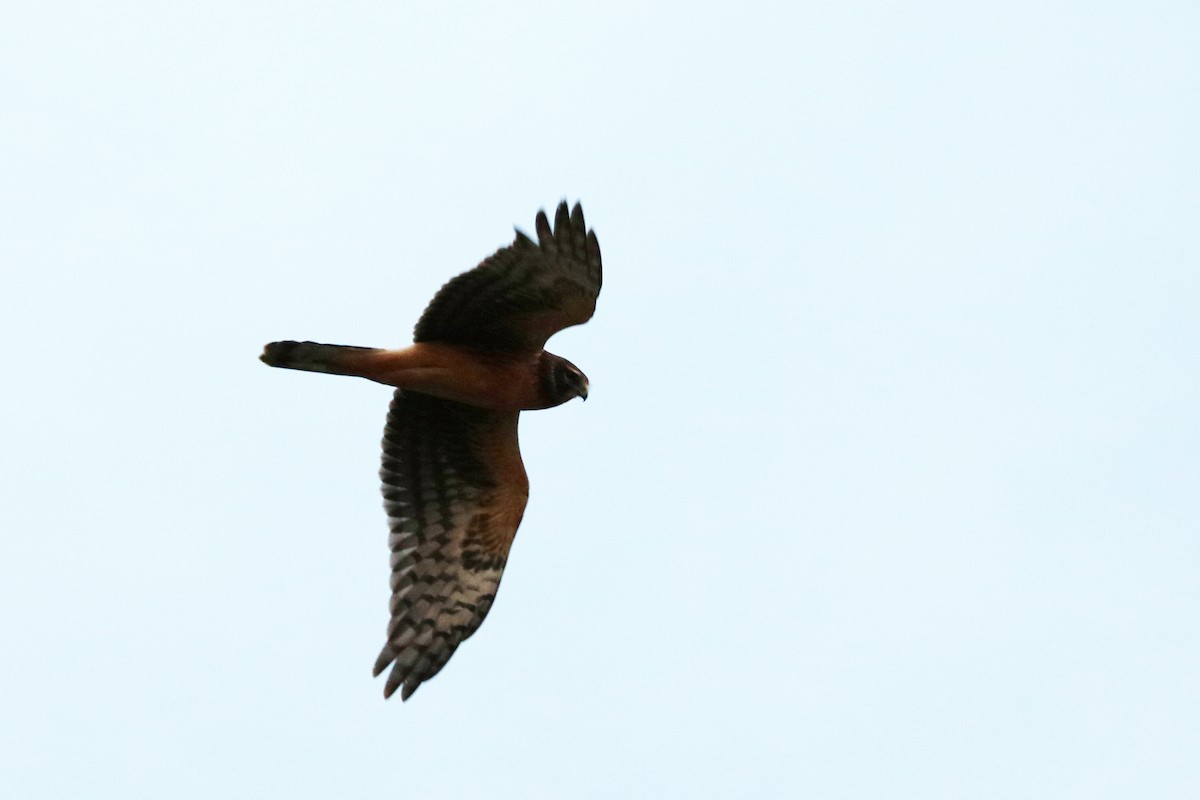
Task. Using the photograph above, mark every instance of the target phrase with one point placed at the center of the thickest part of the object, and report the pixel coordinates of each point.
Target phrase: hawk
(454, 486)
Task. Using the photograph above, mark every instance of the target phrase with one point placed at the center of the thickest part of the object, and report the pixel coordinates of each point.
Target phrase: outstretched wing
(524, 293)
(455, 489)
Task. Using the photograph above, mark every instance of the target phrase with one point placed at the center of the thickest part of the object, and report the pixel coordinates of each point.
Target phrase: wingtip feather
(544, 234)
(562, 222)
(386, 657)
(395, 678)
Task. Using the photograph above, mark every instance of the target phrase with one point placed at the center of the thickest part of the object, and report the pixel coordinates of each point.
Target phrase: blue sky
(886, 487)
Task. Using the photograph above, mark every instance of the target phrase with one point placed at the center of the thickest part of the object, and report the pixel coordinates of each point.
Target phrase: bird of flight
(454, 486)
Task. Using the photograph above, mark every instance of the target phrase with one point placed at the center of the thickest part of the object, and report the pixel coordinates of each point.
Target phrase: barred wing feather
(454, 489)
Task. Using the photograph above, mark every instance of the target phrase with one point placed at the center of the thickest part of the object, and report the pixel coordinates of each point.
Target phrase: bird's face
(563, 381)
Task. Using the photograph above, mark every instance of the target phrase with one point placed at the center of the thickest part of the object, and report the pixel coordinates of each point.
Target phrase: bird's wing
(524, 293)
(455, 489)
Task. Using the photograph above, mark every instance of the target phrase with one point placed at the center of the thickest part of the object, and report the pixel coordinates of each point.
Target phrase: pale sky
(887, 486)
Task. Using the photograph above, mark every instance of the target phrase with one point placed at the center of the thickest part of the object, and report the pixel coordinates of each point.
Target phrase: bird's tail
(336, 359)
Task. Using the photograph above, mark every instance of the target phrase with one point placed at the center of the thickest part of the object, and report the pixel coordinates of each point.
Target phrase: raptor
(454, 485)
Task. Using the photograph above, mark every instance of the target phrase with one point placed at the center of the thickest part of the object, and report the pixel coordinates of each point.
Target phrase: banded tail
(335, 359)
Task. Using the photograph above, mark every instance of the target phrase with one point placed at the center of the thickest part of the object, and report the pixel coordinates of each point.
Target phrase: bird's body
(500, 380)
(454, 484)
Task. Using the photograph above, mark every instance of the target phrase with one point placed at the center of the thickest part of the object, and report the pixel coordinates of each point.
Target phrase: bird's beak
(584, 390)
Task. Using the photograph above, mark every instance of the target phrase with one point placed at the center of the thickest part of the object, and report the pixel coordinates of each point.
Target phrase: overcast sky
(889, 481)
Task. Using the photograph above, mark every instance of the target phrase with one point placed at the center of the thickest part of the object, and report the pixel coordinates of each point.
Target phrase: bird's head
(561, 380)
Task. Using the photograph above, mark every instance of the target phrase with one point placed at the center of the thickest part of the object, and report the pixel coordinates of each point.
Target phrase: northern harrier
(454, 486)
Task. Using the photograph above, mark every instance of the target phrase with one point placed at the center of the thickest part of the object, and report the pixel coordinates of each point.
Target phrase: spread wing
(524, 293)
(454, 489)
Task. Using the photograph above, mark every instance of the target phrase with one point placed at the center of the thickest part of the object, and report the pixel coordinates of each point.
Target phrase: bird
(454, 485)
